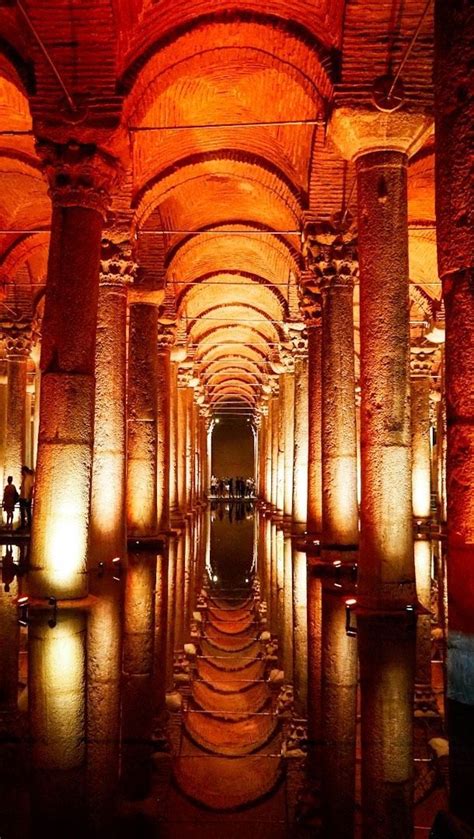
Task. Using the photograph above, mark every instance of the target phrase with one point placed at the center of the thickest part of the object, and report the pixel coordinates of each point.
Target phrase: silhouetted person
(10, 497)
(26, 496)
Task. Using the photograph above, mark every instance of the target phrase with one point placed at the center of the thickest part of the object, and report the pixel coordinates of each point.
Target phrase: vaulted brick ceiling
(217, 206)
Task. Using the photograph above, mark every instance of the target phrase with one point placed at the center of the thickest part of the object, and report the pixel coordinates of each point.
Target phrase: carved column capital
(299, 340)
(17, 338)
(330, 251)
(117, 266)
(79, 174)
(184, 377)
(421, 362)
(311, 304)
(165, 336)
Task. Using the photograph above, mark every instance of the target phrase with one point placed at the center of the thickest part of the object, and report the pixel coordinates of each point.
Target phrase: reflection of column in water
(170, 620)
(314, 675)
(423, 621)
(160, 640)
(57, 714)
(387, 660)
(137, 704)
(179, 594)
(12, 777)
(287, 636)
(280, 580)
(339, 695)
(300, 631)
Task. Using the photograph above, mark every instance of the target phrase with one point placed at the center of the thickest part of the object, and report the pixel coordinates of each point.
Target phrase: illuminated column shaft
(174, 503)
(300, 631)
(3, 417)
(300, 462)
(181, 418)
(80, 178)
(454, 32)
(163, 418)
(281, 437)
(170, 618)
(268, 454)
(17, 347)
(386, 567)
(160, 636)
(288, 411)
(386, 653)
(339, 451)
(138, 660)
(275, 424)
(107, 535)
(314, 675)
(339, 699)
(57, 715)
(287, 636)
(142, 425)
(420, 433)
(189, 448)
(314, 517)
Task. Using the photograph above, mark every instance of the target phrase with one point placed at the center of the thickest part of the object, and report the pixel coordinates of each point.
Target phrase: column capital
(311, 304)
(79, 174)
(330, 249)
(17, 337)
(165, 336)
(299, 340)
(421, 362)
(184, 377)
(356, 131)
(117, 266)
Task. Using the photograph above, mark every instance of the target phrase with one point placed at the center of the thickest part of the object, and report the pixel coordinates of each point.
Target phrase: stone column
(300, 631)
(163, 415)
(142, 415)
(379, 144)
(311, 305)
(181, 419)
(3, 416)
(269, 453)
(175, 513)
(275, 421)
(80, 178)
(387, 653)
(420, 366)
(288, 423)
(107, 531)
(331, 253)
(280, 452)
(300, 459)
(189, 446)
(454, 33)
(17, 346)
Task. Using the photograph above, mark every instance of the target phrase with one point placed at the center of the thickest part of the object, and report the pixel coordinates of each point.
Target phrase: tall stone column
(275, 422)
(269, 453)
(80, 178)
(281, 439)
(331, 253)
(175, 514)
(300, 459)
(454, 33)
(17, 347)
(181, 428)
(420, 366)
(300, 631)
(142, 415)
(165, 339)
(189, 447)
(311, 305)
(3, 411)
(387, 658)
(107, 531)
(288, 422)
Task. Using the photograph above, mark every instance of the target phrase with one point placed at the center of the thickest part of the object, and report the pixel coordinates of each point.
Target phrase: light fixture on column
(22, 604)
(351, 629)
(54, 612)
(117, 568)
(100, 569)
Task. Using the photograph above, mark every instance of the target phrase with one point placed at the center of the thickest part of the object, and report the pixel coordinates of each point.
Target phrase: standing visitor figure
(10, 497)
(26, 496)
